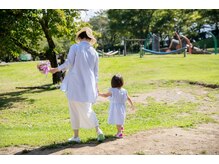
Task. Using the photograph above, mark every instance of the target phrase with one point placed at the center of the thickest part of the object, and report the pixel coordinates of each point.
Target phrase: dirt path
(201, 140)
(204, 139)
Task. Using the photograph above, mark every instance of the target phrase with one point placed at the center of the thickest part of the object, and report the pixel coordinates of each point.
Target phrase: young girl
(117, 109)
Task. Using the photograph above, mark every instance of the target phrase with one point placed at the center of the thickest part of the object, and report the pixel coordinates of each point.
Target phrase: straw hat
(89, 33)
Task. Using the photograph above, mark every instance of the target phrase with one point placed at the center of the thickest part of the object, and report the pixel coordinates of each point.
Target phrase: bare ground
(203, 139)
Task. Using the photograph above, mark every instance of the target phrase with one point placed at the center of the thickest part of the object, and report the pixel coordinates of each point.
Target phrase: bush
(206, 43)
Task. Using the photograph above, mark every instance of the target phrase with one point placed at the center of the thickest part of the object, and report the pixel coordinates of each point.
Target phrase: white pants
(82, 115)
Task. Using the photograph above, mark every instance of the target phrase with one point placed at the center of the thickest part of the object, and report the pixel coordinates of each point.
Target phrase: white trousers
(82, 115)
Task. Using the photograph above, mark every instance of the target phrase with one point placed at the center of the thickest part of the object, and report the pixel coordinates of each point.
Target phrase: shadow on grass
(53, 148)
(7, 99)
(164, 56)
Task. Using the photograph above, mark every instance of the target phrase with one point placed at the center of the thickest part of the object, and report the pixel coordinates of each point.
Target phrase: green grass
(39, 117)
(139, 72)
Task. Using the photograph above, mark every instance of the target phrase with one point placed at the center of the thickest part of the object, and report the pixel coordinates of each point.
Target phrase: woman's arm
(105, 94)
(68, 62)
(96, 68)
(53, 70)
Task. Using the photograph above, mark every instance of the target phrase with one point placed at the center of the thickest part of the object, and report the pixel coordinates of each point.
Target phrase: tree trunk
(50, 54)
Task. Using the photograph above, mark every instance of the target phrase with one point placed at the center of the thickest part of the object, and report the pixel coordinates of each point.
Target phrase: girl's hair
(83, 35)
(117, 81)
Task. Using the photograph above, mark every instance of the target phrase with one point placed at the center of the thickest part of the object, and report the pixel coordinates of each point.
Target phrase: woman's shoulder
(93, 50)
(74, 46)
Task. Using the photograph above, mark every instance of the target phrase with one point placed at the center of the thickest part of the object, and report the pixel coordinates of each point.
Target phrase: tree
(138, 23)
(100, 24)
(166, 22)
(211, 16)
(131, 23)
(24, 29)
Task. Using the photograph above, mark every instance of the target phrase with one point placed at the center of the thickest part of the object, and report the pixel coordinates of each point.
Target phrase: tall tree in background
(100, 24)
(167, 22)
(138, 23)
(24, 29)
(131, 23)
(211, 16)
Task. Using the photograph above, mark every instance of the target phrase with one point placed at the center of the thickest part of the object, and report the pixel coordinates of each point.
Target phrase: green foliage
(135, 23)
(25, 29)
(211, 16)
(100, 25)
(206, 43)
(130, 23)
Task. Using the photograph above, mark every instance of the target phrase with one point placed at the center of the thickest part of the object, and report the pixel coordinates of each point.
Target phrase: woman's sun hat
(89, 33)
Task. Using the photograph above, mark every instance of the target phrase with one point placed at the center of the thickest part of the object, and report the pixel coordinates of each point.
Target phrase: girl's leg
(119, 129)
(122, 128)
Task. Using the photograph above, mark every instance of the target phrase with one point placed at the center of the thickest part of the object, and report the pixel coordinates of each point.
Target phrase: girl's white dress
(117, 109)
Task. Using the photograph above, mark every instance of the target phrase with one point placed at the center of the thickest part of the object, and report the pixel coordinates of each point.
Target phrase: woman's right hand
(53, 70)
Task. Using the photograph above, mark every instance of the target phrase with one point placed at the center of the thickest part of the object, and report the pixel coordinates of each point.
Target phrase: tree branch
(25, 48)
(44, 24)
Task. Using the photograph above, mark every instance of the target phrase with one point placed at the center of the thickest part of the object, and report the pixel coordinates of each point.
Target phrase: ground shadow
(50, 149)
(7, 99)
(164, 56)
(3, 65)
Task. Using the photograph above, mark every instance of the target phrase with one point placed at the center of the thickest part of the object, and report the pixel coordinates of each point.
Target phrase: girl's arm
(105, 94)
(130, 101)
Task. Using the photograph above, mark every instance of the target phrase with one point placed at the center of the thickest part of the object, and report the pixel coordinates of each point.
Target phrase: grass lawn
(38, 117)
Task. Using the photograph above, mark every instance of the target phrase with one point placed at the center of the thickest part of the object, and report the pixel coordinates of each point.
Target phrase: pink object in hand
(43, 67)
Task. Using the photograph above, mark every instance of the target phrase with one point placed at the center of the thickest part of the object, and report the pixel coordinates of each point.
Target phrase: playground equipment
(155, 42)
(215, 42)
(175, 46)
(178, 44)
(110, 53)
(186, 43)
(197, 50)
(133, 40)
(202, 43)
(163, 53)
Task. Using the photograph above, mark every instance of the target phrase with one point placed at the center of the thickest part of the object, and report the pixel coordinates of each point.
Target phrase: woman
(80, 84)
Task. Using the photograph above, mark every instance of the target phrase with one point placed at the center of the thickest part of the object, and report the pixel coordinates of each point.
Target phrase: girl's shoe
(122, 128)
(73, 139)
(119, 135)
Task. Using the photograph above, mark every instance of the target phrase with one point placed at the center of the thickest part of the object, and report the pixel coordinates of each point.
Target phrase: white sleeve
(96, 69)
(70, 59)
